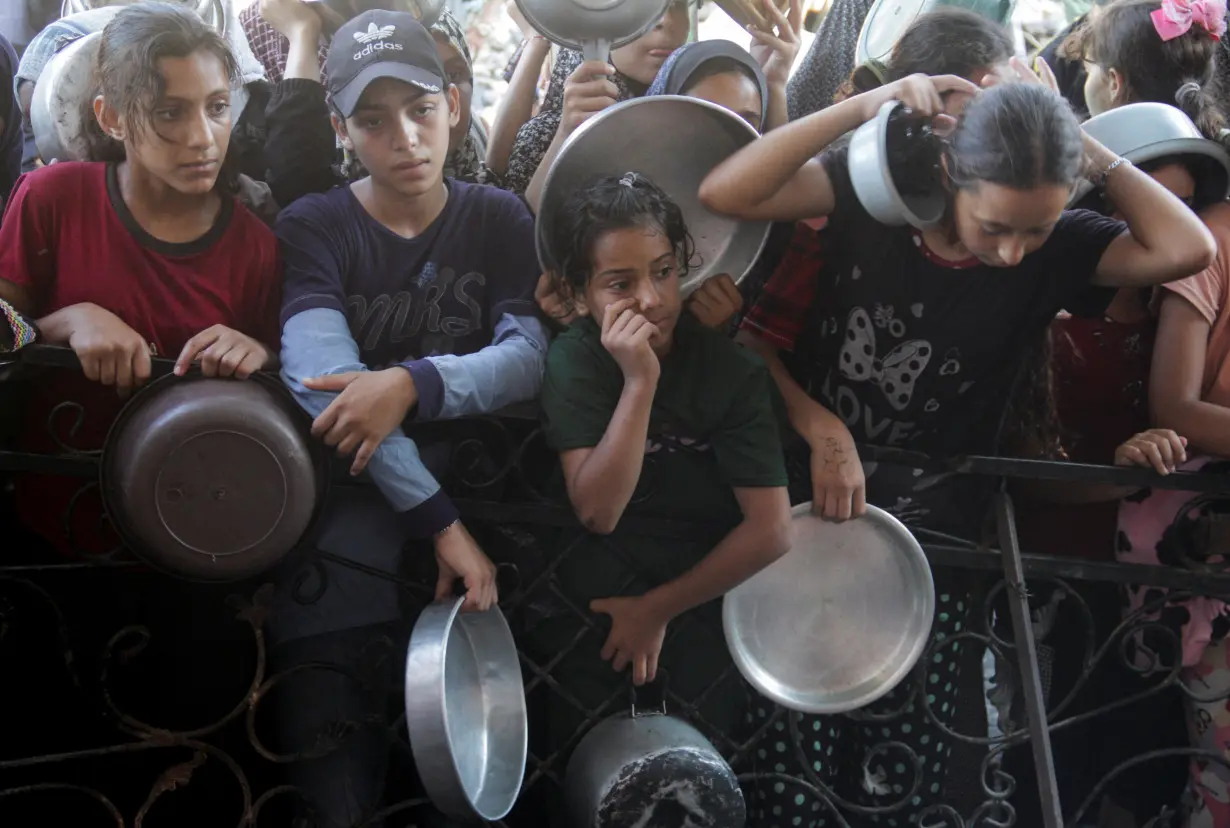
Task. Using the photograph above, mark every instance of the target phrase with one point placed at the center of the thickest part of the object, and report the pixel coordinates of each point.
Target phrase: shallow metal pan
(465, 711)
(838, 621)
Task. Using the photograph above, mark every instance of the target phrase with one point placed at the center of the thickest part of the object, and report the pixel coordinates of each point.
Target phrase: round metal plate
(628, 137)
(465, 711)
(838, 621)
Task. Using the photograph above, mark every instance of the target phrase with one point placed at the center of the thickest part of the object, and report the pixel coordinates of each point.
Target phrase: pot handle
(597, 50)
(656, 692)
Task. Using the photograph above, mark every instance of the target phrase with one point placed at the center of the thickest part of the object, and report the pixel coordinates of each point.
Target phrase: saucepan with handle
(593, 27)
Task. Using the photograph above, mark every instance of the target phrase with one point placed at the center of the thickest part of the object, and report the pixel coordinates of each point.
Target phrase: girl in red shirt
(144, 252)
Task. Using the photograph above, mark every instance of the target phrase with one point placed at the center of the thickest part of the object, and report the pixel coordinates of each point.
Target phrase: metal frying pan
(212, 12)
(593, 27)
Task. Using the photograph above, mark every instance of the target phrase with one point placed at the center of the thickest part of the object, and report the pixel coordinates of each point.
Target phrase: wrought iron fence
(113, 713)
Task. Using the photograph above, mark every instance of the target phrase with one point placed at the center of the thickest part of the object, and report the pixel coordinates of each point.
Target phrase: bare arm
(517, 105)
(533, 193)
(777, 177)
(804, 412)
(839, 484)
(760, 539)
(1175, 384)
(1165, 239)
(602, 480)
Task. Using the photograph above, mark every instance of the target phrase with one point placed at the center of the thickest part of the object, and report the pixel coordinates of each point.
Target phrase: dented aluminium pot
(647, 768)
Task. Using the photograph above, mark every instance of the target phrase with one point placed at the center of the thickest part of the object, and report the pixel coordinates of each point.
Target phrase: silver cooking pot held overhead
(212, 12)
(593, 27)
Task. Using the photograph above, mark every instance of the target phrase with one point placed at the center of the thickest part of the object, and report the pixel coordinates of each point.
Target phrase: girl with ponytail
(1140, 51)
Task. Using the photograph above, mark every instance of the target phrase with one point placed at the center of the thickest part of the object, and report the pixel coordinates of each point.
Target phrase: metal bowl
(629, 137)
(465, 711)
(872, 177)
(593, 26)
(1143, 132)
(838, 621)
(212, 479)
(58, 105)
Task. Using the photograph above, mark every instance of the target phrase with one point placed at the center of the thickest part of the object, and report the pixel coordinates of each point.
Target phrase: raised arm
(588, 91)
(517, 105)
(1165, 239)
(778, 177)
(301, 148)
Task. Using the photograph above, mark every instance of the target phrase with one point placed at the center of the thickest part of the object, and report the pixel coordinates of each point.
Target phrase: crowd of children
(325, 205)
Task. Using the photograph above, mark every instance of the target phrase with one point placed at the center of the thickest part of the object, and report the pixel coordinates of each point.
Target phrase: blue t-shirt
(439, 293)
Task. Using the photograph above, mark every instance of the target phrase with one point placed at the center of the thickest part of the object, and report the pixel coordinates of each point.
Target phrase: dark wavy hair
(948, 41)
(1179, 72)
(126, 71)
(612, 203)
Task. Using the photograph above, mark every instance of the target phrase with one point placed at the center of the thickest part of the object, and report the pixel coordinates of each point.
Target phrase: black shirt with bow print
(919, 353)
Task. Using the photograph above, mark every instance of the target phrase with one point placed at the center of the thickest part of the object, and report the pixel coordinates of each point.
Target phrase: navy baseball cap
(381, 44)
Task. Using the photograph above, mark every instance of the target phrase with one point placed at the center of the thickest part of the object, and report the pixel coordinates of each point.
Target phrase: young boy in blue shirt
(408, 297)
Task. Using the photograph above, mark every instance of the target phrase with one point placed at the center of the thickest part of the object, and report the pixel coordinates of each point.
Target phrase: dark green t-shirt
(713, 427)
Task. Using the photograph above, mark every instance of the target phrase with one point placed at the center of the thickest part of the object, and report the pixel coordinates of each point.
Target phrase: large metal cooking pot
(648, 768)
(885, 153)
(465, 711)
(593, 27)
(629, 137)
(212, 12)
(839, 620)
(57, 109)
(888, 20)
(1143, 132)
(212, 479)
